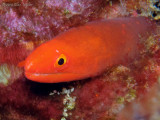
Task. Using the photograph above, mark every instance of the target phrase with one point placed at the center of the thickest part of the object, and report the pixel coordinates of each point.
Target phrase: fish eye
(61, 60)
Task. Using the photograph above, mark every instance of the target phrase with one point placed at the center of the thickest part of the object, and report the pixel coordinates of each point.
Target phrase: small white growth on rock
(68, 101)
(65, 114)
(54, 92)
(63, 118)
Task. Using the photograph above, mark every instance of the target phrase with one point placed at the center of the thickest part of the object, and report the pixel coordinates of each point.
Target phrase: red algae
(25, 103)
(12, 54)
(32, 20)
(30, 23)
(145, 108)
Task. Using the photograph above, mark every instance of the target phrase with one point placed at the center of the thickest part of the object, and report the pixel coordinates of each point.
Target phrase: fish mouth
(53, 77)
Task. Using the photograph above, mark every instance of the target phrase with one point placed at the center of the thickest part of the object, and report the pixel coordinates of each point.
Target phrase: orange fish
(87, 51)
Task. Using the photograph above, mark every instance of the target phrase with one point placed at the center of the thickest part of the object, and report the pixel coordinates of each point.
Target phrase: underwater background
(121, 93)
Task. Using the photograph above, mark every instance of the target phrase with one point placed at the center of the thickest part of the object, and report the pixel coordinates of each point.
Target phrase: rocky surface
(25, 24)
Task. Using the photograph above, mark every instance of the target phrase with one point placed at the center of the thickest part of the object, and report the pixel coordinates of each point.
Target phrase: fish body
(88, 50)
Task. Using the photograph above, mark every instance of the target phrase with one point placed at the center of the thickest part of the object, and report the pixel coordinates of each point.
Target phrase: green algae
(66, 12)
(5, 74)
(9, 73)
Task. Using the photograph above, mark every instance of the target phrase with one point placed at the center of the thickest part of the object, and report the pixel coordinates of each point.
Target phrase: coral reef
(24, 24)
(146, 108)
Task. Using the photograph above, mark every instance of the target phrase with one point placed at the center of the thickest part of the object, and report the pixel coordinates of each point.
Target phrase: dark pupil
(61, 61)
